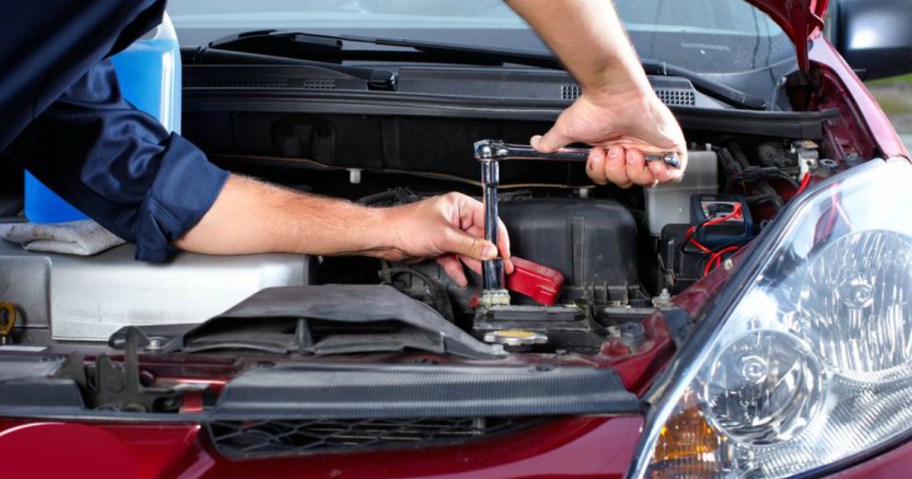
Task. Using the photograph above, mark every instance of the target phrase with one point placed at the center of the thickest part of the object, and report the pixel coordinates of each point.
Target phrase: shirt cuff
(184, 189)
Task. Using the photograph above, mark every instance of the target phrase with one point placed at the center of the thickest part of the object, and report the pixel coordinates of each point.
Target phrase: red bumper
(588, 447)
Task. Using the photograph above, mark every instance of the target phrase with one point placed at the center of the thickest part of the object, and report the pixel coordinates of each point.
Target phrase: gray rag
(80, 238)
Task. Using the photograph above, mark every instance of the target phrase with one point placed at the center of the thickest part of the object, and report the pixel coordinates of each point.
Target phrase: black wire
(788, 178)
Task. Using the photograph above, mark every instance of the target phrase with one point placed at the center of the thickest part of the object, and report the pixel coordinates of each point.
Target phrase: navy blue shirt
(60, 100)
(119, 166)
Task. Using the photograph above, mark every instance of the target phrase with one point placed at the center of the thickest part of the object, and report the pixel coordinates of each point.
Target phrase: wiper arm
(475, 54)
(268, 47)
(330, 48)
(710, 87)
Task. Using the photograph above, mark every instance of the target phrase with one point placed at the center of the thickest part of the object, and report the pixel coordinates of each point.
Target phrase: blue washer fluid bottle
(149, 73)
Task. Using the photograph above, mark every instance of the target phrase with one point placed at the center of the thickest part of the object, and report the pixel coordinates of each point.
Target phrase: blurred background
(895, 96)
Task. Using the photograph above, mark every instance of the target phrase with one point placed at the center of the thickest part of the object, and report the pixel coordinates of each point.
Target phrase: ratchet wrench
(490, 153)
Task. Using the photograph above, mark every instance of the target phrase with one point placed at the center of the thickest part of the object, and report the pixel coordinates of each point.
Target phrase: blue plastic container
(149, 73)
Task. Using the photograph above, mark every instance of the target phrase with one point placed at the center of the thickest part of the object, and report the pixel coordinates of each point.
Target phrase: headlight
(810, 364)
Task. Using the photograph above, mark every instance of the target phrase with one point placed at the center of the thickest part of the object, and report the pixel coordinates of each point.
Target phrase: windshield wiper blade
(331, 48)
(270, 47)
(708, 86)
(476, 54)
(288, 44)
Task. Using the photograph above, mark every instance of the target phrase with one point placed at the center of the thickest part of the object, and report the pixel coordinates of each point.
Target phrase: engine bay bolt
(114, 385)
(827, 168)
(728, 264)
(633, 332)
(662, 299)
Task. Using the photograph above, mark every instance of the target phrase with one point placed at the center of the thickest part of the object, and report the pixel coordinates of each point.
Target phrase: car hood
(802, 21)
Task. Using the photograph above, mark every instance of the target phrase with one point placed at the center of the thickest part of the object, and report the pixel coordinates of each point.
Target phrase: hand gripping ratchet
(490, 153)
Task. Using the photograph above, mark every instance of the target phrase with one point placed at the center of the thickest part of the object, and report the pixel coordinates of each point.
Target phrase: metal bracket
(111, 386)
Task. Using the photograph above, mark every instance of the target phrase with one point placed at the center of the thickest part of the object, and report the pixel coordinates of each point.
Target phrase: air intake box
(592, 242)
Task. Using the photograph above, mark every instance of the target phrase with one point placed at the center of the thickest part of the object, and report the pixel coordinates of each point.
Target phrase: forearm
(589, 38)
(253, 217)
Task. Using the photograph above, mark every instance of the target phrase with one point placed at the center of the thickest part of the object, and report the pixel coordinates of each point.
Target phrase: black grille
(244, 84)
(676, 97)
(306, 84)
(672, 97)
(318, 84)
(570, 92)
(271, 438)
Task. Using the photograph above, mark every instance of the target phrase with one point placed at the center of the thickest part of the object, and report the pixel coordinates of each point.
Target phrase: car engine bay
(598, 266)
(597, 260)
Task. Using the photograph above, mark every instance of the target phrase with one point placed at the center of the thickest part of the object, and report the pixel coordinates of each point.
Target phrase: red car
(752, 321)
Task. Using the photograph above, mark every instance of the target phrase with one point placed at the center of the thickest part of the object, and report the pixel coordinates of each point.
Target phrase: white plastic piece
(662, 299)
(669, 203)
(354, 176)
(89, 298)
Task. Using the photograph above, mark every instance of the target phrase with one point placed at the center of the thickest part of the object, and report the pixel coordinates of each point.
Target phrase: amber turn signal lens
(686, 436)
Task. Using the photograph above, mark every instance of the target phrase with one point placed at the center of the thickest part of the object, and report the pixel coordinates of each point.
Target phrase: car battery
(717, 222)
(720, 220)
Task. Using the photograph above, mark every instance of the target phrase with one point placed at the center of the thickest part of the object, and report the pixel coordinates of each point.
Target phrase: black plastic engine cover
(592, 242)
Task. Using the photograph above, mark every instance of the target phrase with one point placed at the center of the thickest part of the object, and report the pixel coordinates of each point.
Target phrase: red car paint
(801, 20)
(862, 124)
(891, 465)
(575, 447)
(582, 447)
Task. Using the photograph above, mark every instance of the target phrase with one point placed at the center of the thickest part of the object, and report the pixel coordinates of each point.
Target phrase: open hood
(802, 21)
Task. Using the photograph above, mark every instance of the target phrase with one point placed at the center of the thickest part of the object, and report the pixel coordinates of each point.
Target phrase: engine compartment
(623, 253)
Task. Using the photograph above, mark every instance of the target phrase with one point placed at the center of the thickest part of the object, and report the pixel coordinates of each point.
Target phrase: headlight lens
(764, 388)
(854, 303)
(812, 364)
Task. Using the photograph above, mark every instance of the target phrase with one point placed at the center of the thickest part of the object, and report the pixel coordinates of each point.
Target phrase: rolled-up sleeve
(119, 166)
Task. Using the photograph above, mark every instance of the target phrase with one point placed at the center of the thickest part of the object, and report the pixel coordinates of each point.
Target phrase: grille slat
(669, 96)
(570, 92)
(306, 84)
(676, 97)
(269, 438)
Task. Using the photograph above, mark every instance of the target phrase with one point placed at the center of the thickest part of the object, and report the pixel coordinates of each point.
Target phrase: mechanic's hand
(621, 128)
(449, 228)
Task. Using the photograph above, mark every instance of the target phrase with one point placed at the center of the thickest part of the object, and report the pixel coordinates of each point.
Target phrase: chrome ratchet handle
(489, 154)
(497, 150)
